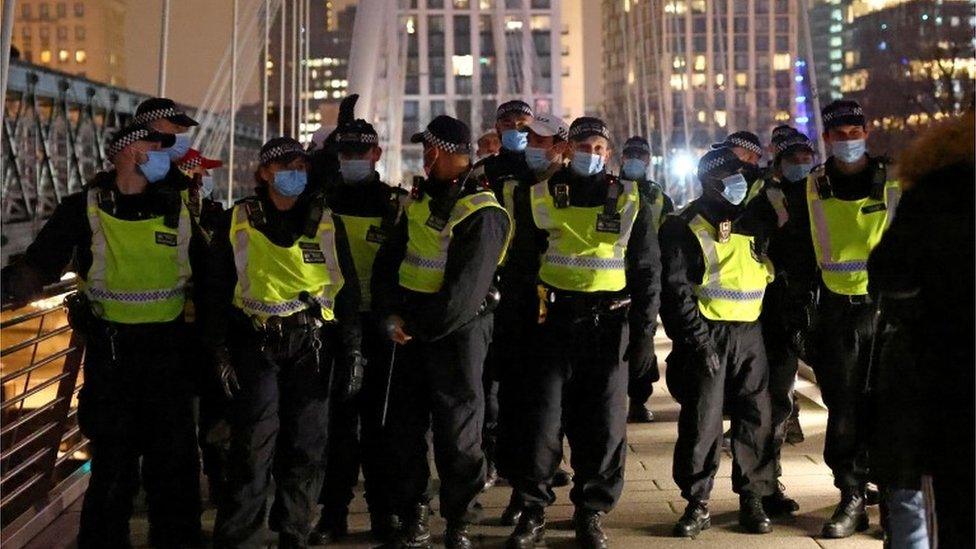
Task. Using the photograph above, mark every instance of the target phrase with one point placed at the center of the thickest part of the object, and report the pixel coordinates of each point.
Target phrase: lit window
(81, 56)
(463, 65)
(701, 116)
(63, 55)
(698, 80)
(782, 62)
(721, 118)
(699, 62)
(741, 79)
(835, 42)
(46, 56)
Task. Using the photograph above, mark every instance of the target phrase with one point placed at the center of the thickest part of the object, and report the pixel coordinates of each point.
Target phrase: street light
(682, 164)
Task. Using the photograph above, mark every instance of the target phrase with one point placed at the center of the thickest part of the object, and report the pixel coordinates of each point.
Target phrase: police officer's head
(845, 130)
(447, 148)
(137, 150)
(163, 115)
(511, 117)
(282, 169)
(721, 174)
(635, 158)
(547, 135)
(794, 155)
(359, 150)
(590, 138)
(745, 145)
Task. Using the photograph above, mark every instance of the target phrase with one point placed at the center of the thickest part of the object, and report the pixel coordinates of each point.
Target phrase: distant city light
(683, 164)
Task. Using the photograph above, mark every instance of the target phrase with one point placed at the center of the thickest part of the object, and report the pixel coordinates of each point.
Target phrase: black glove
(800, 318)
(640, 352)
(226, 374)
(706, 359)
(351, 380)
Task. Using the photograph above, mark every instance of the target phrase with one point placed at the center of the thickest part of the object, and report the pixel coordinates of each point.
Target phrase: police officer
(517, 316)
(781, 205)
(597, 251)
(851, 201)
(432, 278)
(204, 209)
(713, 284)
(635, 160)
(368, 208)
(281, 315)
(749, 150)
(128, 236)
(511, 118)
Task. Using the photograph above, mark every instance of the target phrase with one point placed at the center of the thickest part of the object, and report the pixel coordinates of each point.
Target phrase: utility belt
(580, 307)
(828, 296)
(275, 333)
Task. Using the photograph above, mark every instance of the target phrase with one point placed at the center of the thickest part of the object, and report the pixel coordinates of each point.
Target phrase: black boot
(694, 520)
(332, 527)
(638, 413)
(530, 530)
(794, 433)
(752, 518)
(511, 514)
(415, 530)
(562, 478)
(491, 477)
(456, 536)
(778, 503)
(383, 526)
(589, 531)
(849, 517)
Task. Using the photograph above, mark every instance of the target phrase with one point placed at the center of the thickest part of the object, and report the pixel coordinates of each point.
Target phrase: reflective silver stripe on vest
(539, 209)
(892, 196)
(823, 235)
(240, 251)
(96, 273)
(778, 201)
(148, 296)
(712, 288)
(282, 309)
(592, 263)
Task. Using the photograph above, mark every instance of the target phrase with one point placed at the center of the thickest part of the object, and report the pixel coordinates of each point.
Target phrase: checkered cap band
(794, 140)
(126, 139)
(275, 153)
(842, 112)
(190, 164)
(637, 144)
(715, 163)
(513, 107)
(439, 143)
(358, 138)
(735, 141)
(149, 116)
(587, 128)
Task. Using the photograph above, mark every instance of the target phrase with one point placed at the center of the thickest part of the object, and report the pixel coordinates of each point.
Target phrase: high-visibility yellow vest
(583, 255)
(776, 198)
(271, 279)
(656, 204)
(139, 269)
(735, 278)
(365, 234)
(422, 269)
(844, 233)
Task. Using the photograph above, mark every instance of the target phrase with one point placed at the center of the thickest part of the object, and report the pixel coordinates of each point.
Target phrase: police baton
(389, 381)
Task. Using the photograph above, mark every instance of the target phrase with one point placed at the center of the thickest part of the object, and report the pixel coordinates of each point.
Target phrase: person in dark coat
(927, 256)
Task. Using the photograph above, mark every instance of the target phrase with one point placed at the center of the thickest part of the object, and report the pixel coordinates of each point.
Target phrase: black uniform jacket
(643, 256)
(282, 228)
(472, 257)
(66, 237)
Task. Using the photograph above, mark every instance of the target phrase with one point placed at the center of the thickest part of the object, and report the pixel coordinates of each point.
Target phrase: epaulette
(254, 210)
(822, 181)
(316, 209)
(417, 188)
(614, 188)
(879, 177)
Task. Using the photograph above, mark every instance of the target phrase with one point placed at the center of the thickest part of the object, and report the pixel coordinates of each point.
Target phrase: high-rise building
(685, 73)
(84, 38)
(829, 31)
(456, 57)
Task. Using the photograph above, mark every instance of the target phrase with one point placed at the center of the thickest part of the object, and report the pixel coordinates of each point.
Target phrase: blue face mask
(536, 159)
(206, 185)
(634, 169)
(156, 166)
(290, 183)
(795, 172)
(355, 170)
(735, 188)
(586, 164)
(514, 140)
(179, 148)
(848, 152)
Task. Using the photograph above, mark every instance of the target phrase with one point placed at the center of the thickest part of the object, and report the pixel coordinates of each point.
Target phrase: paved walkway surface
(651, 502)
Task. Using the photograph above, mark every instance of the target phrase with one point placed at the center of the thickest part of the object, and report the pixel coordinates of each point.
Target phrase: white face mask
(206, 185)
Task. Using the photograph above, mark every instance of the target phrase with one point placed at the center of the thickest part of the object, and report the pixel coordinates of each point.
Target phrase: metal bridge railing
(43, 455)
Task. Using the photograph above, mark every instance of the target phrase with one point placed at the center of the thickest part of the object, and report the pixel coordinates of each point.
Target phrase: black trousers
(843, 347)
(640, 381)
(139, 406)
(578, 385)
(783, 365)
(356, 436)
(279, 424)
(438, 385)
(740, 387)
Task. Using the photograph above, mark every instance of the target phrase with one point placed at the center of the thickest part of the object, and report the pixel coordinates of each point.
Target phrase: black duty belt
(861, 299)
(580, 303)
